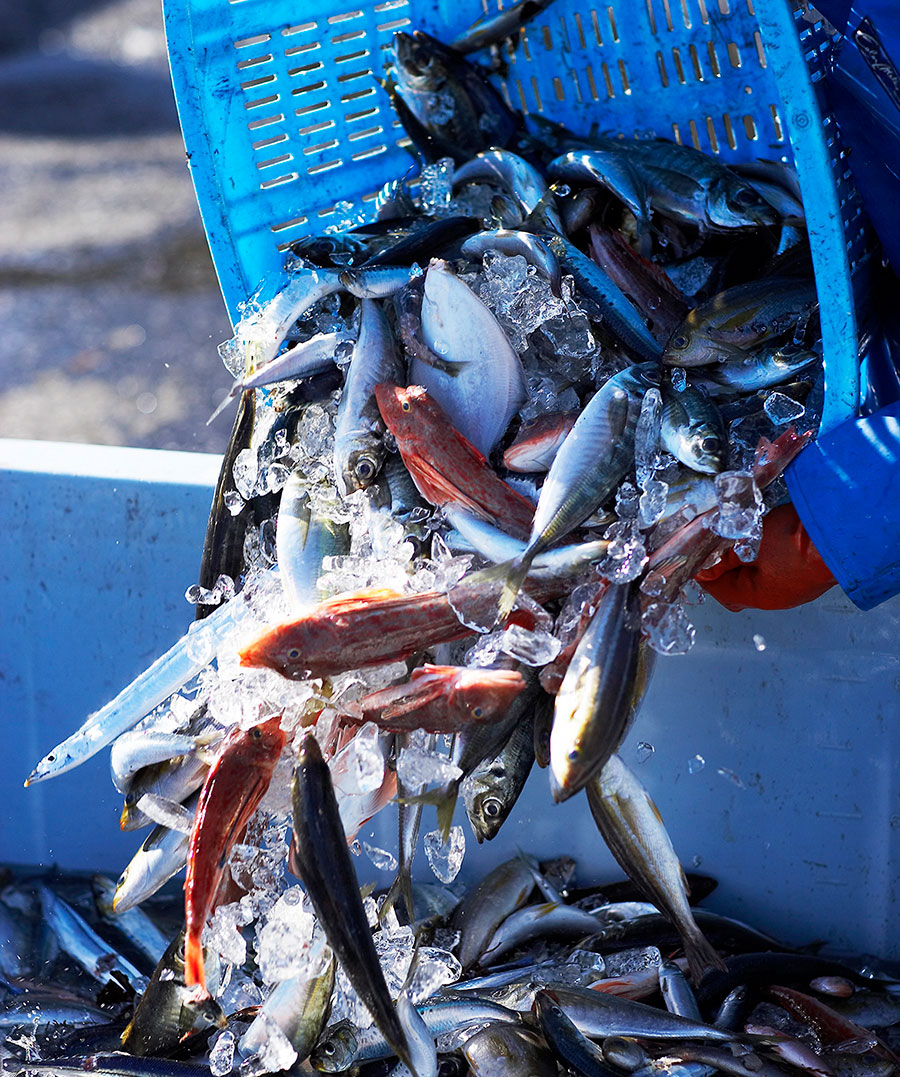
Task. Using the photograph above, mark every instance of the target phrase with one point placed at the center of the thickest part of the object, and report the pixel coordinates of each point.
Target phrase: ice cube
(759, 642)
(534, 648)
(626, 555)
(275, 1053)
(627, 501)
(418, 767)
(630, 961)
(695, 764)
(234, 502)
(679, 379)
(222, 932)
(381, 858)
(165, 812)
(740, 505)
(646, 435)
(435, 968)
(652, 502)
(287, 942)
(244, 471)
(445, 858)
(436, 186)
(668, 629)
(570, 335)
(221, 1054)
(365, 761)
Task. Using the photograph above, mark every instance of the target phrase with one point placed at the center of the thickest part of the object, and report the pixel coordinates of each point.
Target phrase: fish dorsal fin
(353, 601)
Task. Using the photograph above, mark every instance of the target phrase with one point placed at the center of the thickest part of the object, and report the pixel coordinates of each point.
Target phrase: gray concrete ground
(109, 307)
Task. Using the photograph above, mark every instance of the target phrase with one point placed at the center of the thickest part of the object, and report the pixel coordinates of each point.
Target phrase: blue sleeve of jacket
(846, 489)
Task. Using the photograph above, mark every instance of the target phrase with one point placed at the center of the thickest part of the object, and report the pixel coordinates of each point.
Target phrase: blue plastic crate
(283, 119)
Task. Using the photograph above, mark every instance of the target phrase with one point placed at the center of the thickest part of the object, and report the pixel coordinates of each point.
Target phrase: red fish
(683, 554)
(235, 785)
(374, 626)
(447, 468)
(440, 699)
(538, 441)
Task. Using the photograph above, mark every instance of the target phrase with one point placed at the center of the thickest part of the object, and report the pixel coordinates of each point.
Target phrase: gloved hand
(787, 572)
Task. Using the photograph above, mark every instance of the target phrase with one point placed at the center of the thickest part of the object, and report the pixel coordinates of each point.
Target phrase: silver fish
(134, 923)
(487, 384)
(298, 1007)
(523, 181)
(162, 854)
(692, 429)
(636, 836)
(484, 908)
(508, 1051)
(359, 429)
(492, 789)
(303, 538)
(593, 459)
(511, 242)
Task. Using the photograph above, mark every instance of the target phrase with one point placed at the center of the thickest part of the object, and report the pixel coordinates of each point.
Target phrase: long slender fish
(326, 870)
(159, 681)
(482, 910)
(235, 785)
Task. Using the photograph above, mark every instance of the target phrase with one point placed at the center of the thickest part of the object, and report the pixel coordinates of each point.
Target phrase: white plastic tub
(796, 808)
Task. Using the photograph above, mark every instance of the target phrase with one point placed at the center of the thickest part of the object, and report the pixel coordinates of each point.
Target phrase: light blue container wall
(806, 845)
(283, 119)
(98, 547)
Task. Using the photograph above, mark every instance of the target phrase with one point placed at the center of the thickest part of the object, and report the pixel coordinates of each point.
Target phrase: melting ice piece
(695, 764)
(668, 629)
(446, 859)
(535, 648)
(275, 1054)
(416, 766)
(221, 1055)
(626, 961)
(435, 969)
(646, 435)
(381, 858)
(626, 555)
(436, 186)
(740, 505)
(365, 762)
(167, 813)
(286, 944)
(627, 501)
(652, 502)
(759, 642)
(782, 409)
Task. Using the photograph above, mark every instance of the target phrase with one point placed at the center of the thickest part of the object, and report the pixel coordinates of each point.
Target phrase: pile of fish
(523, 974)
(483, 444)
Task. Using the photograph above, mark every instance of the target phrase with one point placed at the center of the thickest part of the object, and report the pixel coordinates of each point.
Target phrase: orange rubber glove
(787, 572)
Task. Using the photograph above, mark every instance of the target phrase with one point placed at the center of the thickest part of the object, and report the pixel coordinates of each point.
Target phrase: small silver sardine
(693, 430)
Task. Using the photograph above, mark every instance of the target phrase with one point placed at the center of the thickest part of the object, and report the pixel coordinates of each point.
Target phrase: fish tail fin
(701, 955)
(446, 806)
(400, 887)
(518, 570)
(194, 972)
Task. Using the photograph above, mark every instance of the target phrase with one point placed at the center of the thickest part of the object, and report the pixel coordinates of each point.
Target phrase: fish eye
(477, 712)
(364, 468)
(492, 808)
(746, 196)
(293, 654)
(328, 1048)
(405, 405)
(710, 444)
(256, 733)
(681, 341)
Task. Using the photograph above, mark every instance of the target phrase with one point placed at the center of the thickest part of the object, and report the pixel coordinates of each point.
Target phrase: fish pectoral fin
(618, 414)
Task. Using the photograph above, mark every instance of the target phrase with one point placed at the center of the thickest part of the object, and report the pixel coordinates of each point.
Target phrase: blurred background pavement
(110, 312)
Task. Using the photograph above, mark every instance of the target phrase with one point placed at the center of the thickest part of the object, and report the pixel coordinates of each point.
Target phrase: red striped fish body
(538, 441)
(446, 468)
(234, 787)
(440, 699)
